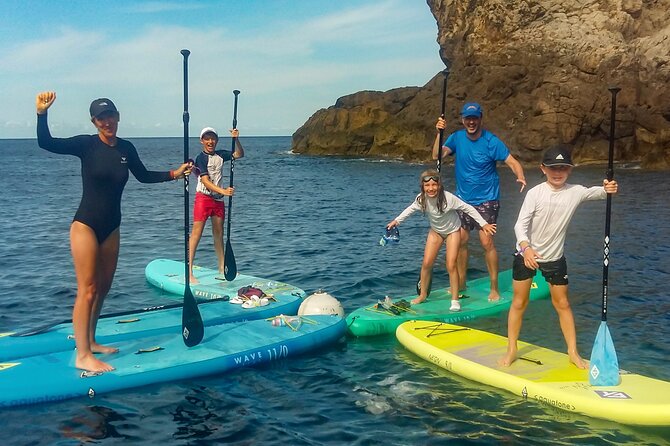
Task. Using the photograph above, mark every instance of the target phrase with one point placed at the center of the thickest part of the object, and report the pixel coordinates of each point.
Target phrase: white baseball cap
(208, 130)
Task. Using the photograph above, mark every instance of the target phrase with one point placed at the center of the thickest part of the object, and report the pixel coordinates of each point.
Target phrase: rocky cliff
(540, 69)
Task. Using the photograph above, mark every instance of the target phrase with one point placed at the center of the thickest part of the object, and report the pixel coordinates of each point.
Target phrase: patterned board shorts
(488, 210)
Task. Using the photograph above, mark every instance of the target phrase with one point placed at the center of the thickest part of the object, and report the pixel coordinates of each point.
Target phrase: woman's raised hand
(44, 101)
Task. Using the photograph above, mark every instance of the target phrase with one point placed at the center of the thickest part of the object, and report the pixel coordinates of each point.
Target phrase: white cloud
(286, 69)
(155, 7)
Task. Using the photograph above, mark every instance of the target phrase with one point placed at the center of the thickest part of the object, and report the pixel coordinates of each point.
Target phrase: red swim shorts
(205, 206)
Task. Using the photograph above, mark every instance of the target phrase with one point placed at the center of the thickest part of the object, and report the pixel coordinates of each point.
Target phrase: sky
(289, 58)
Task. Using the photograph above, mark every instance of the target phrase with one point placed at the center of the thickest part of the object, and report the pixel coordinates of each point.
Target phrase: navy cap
(100, 106)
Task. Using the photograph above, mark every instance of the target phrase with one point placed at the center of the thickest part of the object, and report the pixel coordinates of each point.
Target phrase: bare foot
(577, 360)
(92, 364)
(192, 280)
(494, 296)
(418, 300)
(98, 348)
(509, 357)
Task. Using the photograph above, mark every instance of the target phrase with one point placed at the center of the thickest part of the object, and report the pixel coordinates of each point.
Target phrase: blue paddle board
(148, 322)
(149, 359)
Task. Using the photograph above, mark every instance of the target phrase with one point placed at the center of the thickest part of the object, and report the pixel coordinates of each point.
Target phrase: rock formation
(540, 69)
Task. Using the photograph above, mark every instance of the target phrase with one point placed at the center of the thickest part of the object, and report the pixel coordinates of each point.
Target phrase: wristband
(172, 175)
(523, 250)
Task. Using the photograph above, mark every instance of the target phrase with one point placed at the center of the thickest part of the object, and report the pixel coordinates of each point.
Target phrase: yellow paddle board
(539, 374)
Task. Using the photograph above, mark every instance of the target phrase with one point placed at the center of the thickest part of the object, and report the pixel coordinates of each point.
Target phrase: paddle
(604, 367)
(46, 327)
(192, 329)
(445, 72)
(229, 265)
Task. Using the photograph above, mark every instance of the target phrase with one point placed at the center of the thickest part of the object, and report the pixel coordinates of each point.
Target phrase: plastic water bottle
(282, 321)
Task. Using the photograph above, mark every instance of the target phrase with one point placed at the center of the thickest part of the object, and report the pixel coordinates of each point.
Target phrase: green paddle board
(373, 319)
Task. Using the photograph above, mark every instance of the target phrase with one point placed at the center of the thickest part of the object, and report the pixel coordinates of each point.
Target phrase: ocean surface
(315, 223)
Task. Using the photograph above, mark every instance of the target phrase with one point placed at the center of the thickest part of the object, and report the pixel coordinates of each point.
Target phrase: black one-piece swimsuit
(104, 173)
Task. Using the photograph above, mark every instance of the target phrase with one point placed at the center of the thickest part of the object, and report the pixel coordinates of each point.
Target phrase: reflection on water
(95, 423)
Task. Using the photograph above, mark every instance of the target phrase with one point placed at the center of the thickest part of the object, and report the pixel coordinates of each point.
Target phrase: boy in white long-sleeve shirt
(440, 207)
(540, 235)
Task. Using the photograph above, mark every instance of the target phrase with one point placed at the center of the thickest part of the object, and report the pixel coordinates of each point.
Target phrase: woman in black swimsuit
(94, 233)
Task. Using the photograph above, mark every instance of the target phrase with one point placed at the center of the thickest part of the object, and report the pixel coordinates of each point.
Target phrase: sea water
(315, 222)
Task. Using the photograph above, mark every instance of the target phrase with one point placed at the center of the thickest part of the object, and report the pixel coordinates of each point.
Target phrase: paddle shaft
(232, 160)
(445, 72)
(440, 139)
(186, 119)
(192, 329)
(230, 266)
(46, 327)
(608, 209)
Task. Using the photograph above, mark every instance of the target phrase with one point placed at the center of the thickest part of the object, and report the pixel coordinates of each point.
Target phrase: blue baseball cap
(471, 109)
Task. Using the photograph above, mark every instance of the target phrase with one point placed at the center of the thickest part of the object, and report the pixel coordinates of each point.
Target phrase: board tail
(604, 367)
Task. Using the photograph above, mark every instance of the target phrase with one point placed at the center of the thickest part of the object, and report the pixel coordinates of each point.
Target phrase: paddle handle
(608, 210)
(445, 72)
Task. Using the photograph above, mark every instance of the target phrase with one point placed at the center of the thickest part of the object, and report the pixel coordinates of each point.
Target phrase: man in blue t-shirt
(477, 152)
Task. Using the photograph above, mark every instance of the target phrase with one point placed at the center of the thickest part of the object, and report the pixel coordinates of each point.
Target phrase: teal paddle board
(373, 319)
(59, 336)
(143, 360)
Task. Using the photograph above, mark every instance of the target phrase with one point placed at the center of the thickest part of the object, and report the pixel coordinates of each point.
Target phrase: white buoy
(320, 302)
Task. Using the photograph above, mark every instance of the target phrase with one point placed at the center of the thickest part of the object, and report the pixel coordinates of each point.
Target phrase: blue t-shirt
(477, 179)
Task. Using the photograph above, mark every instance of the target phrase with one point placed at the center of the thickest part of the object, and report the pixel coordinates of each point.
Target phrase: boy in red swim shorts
(210, 192)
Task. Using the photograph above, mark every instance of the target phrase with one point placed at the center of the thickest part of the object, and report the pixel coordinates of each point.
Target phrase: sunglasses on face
(427, 178)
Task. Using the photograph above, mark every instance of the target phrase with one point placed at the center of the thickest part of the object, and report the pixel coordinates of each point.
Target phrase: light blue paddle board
(168, 275)
(144, 360)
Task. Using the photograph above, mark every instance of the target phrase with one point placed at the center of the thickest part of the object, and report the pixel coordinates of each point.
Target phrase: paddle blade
(229, 266)
(192, 329)
(604, 367)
